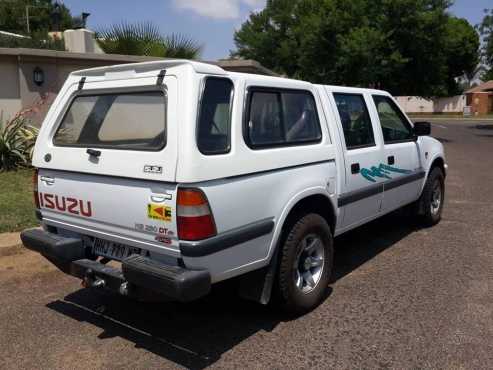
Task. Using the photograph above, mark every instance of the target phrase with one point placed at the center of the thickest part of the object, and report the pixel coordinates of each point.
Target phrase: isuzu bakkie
(185, 175)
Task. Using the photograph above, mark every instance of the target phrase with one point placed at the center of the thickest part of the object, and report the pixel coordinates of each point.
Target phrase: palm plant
(17, 140)
(146, 39)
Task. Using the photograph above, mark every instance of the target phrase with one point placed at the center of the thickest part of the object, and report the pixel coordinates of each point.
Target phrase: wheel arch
(257, 285)
(439, 162)
(315, 200)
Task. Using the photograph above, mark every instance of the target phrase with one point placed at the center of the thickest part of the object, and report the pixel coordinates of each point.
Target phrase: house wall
(480, 102)
(56, 72)
(18, 92)
(10, 102)
(416, 104)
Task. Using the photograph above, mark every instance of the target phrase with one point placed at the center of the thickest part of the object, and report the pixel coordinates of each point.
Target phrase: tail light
(194, 216)
(35, 189)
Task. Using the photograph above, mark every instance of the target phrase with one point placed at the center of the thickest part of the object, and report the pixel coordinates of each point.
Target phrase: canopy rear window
(132, 121)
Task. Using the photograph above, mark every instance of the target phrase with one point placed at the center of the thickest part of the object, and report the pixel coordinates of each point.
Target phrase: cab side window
(281, 118)
(265, 121)
(355, 120)
(214, 125)
(395, 127)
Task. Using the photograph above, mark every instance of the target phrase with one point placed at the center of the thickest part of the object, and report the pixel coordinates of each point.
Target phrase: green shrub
(17, 140)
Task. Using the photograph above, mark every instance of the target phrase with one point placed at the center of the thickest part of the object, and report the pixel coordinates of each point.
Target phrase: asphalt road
(402, 298)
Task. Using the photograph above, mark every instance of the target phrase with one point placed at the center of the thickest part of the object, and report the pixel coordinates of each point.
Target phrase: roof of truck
(355, 90)
(207, 68)
(198, 67)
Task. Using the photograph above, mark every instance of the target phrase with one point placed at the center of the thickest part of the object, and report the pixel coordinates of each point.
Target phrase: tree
(146, 39)
(409, 47)
(486, 30)
(41, 20)
(462, 50)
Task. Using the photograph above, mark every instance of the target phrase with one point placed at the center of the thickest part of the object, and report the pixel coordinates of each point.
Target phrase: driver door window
(395, 127)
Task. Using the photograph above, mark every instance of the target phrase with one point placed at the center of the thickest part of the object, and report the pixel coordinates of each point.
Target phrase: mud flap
(257, 285)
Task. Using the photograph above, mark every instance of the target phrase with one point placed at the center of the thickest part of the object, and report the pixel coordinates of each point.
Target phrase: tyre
(305, 264)
(433, 197)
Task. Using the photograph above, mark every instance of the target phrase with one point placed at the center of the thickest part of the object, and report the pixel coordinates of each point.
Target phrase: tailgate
(130, 211)
(131, 124)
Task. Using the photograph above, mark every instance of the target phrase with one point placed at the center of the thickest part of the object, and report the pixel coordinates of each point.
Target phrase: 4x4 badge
(153, 169)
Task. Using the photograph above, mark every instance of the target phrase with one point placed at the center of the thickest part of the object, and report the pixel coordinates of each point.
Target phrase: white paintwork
(242, 186)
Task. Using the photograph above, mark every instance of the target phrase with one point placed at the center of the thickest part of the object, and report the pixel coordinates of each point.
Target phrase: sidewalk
(452, 118)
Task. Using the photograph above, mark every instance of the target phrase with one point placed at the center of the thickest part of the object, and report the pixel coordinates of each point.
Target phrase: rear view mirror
(422, 128)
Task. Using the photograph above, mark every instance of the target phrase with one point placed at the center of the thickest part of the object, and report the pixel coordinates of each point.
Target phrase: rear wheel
(305, 264)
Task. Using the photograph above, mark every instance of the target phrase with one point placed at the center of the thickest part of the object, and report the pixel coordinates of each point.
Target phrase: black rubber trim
(392, 184)
(227, 239)
(372, 190)
(82, 81)
(357, 195)
(160, 77)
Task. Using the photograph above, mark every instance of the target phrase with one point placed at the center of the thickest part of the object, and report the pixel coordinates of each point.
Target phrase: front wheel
(305, 264)
(433, 198)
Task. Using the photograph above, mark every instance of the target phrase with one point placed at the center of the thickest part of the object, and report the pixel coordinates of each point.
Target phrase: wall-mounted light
(38, 76)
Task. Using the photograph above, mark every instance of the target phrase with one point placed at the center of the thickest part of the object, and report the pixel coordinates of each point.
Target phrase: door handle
(47, 180)
(355, 168)
(160, 198)
(391, 160)
(93, 153)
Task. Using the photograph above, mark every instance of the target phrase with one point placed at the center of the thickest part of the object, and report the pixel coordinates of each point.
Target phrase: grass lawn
(16, 201)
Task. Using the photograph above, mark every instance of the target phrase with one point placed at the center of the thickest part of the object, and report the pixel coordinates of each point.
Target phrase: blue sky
(210, 22)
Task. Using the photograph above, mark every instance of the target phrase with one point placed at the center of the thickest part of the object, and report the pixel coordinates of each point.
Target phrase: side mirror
(422, 128)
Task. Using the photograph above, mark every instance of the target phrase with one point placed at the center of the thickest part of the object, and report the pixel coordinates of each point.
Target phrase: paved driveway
(402, 298)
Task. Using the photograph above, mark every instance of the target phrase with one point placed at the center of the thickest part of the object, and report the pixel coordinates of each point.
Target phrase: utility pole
(27, 15)
(27, 20)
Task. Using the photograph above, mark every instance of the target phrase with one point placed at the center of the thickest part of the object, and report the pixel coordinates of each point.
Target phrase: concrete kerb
(10, 240)
(10, 243)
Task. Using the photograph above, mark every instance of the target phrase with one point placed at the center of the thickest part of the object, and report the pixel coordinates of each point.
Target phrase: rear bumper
(139, 276)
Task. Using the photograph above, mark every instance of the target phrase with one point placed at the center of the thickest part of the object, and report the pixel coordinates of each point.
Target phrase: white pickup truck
(188, 175)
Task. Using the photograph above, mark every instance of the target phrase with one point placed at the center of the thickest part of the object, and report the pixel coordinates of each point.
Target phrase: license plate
(113, 250)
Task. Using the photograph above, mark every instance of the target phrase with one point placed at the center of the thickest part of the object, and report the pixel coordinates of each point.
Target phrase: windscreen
(133, 121)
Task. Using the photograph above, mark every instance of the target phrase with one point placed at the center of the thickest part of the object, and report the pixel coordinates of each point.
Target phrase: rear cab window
(214, 121)
(281, 117)
(126, 120)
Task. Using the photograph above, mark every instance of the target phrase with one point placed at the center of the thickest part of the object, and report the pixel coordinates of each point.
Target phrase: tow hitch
(139, 277)
(92, 281)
